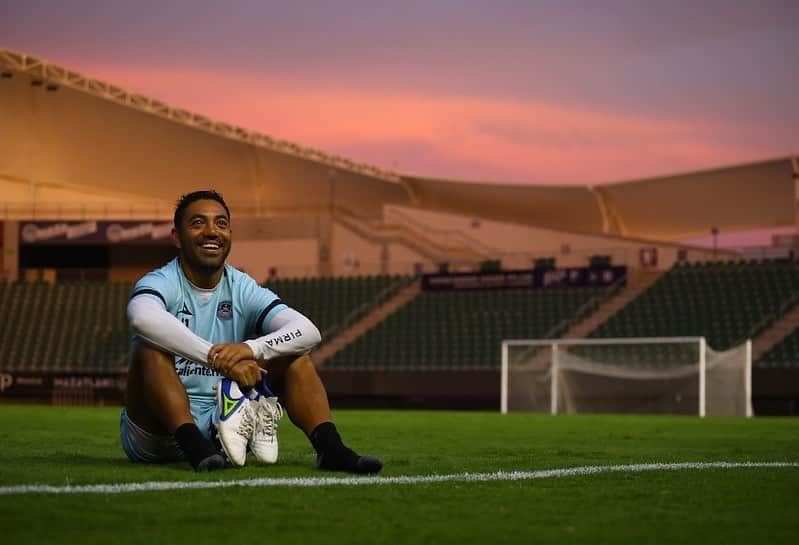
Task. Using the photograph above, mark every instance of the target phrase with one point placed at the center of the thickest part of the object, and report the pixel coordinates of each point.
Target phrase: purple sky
(529, 92)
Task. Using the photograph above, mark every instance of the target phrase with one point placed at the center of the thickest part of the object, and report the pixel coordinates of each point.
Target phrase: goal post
(670, 375)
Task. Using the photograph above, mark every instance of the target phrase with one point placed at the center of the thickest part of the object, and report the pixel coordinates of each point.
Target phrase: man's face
(203, 236)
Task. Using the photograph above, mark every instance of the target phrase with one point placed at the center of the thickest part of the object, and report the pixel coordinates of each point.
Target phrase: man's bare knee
(302, 362)
(144, 355)
(278, 367)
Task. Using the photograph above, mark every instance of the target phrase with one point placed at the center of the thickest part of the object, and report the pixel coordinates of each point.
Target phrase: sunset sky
(525, 91)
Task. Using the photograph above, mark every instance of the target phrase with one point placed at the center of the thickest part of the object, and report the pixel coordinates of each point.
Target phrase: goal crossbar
(620, 340)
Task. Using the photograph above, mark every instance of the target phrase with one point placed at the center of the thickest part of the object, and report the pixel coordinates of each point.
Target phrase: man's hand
(246, 372)
(223, 357)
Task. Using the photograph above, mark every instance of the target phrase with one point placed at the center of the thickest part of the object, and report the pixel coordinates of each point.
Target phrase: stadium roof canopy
(739, 198)
(74, 146)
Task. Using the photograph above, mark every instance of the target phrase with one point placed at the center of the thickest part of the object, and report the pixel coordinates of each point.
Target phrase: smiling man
(205, 335)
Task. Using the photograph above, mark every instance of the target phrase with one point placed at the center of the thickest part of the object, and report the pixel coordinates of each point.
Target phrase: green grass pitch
(77, 446)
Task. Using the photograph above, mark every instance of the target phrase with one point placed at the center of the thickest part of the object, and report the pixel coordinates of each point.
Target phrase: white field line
(307, 482)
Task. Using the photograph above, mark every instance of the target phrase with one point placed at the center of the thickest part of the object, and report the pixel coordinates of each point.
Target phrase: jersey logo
(225, 310)
(186, 312)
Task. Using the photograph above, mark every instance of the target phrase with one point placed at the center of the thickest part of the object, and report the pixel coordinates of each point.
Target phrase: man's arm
(158, 327)
(291, 334)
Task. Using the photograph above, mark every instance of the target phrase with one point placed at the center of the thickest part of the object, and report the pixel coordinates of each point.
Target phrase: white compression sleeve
(291, 333)
(153, 323)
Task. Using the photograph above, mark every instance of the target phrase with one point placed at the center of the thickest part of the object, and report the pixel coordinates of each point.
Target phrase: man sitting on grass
(192, 371)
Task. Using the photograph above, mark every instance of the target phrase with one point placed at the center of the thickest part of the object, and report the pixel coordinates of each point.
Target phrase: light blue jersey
(237, 309)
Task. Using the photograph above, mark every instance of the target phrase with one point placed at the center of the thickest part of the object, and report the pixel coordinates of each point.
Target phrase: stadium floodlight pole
(553, 400)
(503, 394)
(702, 372)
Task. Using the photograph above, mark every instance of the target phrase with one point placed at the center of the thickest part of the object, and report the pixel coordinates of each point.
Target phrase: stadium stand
(64, 327)
(463, 330)
(81, 326)
(333, 302)
(726, 302)
(783, 355)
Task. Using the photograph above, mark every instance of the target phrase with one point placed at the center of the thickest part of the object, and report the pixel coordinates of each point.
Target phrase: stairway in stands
(460, 330)
(726, 302)
(361, 327)
(779, 333)
(636, 285)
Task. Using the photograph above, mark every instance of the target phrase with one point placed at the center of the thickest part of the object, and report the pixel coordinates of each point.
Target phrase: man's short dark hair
(194, 196)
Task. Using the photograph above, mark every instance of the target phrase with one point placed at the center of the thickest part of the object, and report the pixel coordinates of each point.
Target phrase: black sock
(325, 437)
(199, 450)
(333, 454)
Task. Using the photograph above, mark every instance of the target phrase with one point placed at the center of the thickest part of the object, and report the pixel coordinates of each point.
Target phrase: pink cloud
(461, 137)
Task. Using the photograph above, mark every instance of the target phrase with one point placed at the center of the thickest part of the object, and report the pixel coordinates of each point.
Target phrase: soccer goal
(672, 375)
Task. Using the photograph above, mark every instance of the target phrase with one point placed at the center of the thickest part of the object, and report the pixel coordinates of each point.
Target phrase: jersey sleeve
(261, 305)
(158, 286)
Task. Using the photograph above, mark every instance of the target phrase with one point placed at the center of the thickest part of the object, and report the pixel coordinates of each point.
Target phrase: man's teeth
(211, 246)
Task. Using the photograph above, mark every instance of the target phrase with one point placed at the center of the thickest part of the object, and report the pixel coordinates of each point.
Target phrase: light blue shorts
(142, 446)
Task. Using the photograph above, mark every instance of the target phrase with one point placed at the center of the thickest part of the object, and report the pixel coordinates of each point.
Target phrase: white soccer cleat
(236, 420)
(263, 442)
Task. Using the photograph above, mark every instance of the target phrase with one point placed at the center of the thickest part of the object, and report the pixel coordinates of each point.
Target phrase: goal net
(631, 375)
